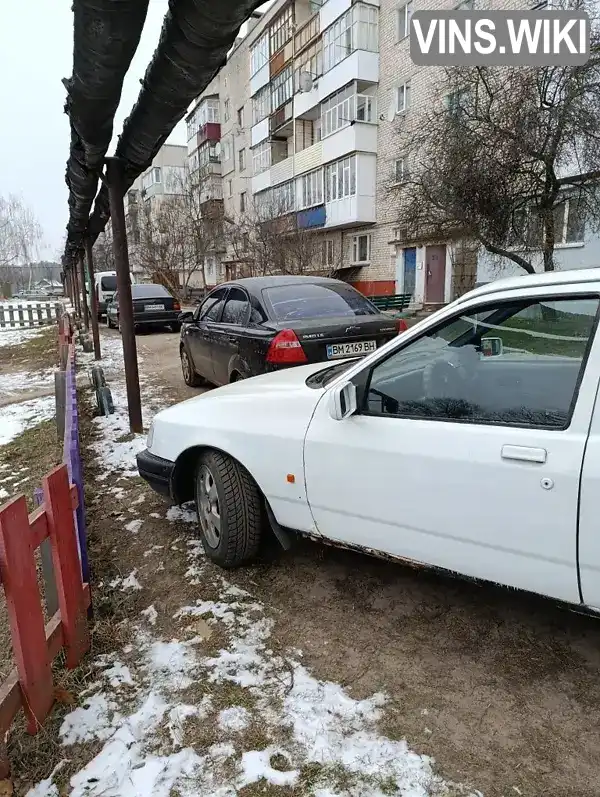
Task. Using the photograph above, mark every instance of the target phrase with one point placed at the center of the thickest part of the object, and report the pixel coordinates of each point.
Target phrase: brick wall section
(396, 67)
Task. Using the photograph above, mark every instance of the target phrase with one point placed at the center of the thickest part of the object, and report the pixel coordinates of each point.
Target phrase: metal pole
(86, 318)
(116, 190)
(90, 267)
(76, 290)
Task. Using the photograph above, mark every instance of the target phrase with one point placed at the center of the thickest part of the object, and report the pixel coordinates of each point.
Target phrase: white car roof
(550, 279)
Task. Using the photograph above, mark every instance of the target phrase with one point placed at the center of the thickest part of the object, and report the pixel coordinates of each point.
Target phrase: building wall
(566, 256)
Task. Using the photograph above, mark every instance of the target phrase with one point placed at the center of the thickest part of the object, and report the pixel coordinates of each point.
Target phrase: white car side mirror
(342, 401)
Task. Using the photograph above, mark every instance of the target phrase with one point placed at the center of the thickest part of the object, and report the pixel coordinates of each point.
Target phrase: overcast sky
(36, 51)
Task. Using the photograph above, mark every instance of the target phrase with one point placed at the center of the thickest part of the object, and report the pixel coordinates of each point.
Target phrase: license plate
(350, 349)
(152, 308)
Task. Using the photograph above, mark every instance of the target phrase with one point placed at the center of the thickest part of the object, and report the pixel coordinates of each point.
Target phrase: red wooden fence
(34, 644)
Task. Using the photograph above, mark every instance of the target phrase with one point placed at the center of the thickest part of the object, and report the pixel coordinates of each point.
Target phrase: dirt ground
(501, 688)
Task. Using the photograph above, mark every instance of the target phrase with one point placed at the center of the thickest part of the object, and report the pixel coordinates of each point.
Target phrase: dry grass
(35, 354)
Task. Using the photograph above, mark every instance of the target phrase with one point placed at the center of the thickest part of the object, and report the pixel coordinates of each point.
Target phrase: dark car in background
(259, 324)
(153, 305)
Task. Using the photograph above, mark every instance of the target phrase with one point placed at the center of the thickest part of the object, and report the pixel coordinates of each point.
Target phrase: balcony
(356, 137)
(332, 9)
(307, 33)
(211, 131)
(281, 116)
(260, 131)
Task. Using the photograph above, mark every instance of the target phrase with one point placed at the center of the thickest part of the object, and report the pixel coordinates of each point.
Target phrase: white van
(105, 287)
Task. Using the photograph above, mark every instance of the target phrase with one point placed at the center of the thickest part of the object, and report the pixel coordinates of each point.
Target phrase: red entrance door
(435, 274)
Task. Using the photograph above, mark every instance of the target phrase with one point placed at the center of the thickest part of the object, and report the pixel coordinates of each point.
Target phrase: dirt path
(502, 689)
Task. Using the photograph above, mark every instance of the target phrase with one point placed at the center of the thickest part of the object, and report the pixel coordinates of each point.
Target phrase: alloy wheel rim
(185, 366)
(208, 507)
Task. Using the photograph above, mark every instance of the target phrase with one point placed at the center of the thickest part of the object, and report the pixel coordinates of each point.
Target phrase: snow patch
(94, 720)
(16, 418)
(134, 526)
(234, 718)
(150, 614)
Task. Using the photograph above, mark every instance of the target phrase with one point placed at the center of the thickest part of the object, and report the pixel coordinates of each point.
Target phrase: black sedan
(260, 324)
(153, 305)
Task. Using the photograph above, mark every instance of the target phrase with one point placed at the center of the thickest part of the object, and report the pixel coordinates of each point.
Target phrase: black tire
(105, 401)
(190, 377)
(238, 506)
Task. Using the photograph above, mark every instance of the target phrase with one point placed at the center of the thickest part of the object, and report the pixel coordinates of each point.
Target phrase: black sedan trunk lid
(345, 336)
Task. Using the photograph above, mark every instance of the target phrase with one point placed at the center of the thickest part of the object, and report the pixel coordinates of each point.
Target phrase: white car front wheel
(230, 510)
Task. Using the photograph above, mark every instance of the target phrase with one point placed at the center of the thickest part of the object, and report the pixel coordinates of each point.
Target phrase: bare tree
(20, 237)
(104, 259)
(504, 158)
(267, 240)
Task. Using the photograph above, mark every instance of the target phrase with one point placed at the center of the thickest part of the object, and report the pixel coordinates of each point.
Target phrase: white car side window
(514, 363)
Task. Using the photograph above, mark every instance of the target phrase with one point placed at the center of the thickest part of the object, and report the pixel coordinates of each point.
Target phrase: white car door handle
(524, 454)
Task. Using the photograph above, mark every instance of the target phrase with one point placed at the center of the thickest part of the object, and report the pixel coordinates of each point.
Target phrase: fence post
(47, 569)
(60, 384)
(67, 568)
(17, 568)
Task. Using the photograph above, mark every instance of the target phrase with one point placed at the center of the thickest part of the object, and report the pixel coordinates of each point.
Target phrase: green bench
(398, 301)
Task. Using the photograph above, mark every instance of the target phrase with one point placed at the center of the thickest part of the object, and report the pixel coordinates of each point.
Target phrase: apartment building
(164, 178)
(311, 116)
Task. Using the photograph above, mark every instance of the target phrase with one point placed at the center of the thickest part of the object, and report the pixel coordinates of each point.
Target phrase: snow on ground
(16, 418)
(310, 722)
(24, 380)
(13, 337)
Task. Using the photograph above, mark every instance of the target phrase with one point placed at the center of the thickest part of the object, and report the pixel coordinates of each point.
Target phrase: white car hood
(278, 403)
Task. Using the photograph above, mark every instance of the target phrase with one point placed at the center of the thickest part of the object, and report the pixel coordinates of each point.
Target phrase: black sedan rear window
(317, 300)
(143, 291)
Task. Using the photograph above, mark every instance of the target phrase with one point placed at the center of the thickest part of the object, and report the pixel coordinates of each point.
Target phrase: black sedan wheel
(190, 377)
(229, 510)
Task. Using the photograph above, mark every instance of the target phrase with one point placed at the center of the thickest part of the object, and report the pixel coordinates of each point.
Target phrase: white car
(469, 443)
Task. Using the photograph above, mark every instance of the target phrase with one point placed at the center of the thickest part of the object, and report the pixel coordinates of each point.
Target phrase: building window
(282, 88)
(400, 174)
(403, 15)
(226, 110)
(340, 179)
(229, 188)
(243, 202)
(328, 252)
(261, 105)
(207, 111)
(242, 159)
(240, 117)
(156, 174)
(283, 198)
(259, 54)
(225, 151)
(569, 225)
(361, 248)
(311, 189)
(261, 157)
(207, 153)
(457, 101)
(345, 107)
(357, 29)
(281, 29)
(311, 61)
(403, 97)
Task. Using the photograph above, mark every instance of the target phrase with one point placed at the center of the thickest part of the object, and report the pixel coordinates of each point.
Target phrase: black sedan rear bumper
(158, 472)
(156, 319)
